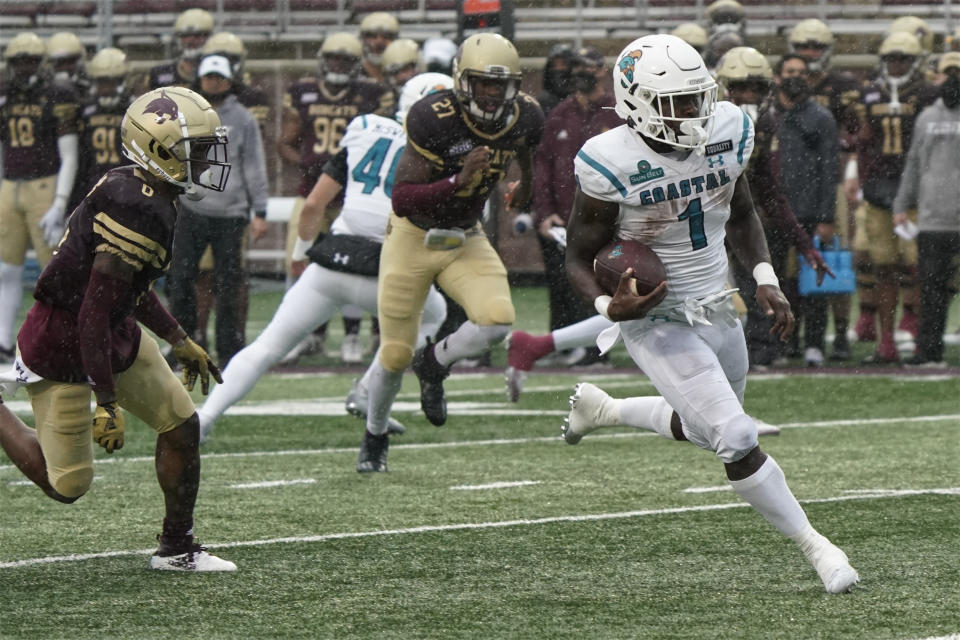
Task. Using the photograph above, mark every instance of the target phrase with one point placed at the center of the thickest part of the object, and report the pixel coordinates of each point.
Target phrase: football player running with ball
(459, 145)
(673, 177)
(82, 331)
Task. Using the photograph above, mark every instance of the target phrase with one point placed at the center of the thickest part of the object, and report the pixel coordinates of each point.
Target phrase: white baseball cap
(215, 64)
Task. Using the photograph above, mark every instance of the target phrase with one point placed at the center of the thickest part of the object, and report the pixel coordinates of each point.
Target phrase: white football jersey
(677, 205)
(373, 145)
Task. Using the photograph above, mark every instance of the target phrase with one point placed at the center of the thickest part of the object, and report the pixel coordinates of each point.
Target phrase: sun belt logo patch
(645, 172)
(164, 108)
(627, 64)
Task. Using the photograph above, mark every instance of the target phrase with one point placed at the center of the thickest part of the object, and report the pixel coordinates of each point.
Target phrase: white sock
(652, 413)
(767, 491)
(581, 334)
(11, 296)
(469, 340)
(383, 387)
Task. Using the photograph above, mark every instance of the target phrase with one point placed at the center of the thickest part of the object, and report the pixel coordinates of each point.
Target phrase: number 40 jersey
(676, 203)
(373, 145)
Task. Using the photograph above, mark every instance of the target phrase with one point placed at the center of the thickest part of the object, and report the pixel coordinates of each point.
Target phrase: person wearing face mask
(220, 219)
(888, 108)
(556, 77)
(747, 80)
(931, 184)
(565, 131)
(807, 144)
(838, 91)
(190, 32)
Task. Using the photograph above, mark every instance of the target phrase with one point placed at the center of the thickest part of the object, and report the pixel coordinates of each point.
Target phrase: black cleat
(431, 375)
(373, 453)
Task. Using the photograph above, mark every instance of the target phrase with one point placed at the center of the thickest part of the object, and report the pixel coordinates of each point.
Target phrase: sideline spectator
(221, 218)
(931, 183)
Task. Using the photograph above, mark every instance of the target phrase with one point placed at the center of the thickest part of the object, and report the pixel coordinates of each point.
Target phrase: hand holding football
(615, 258)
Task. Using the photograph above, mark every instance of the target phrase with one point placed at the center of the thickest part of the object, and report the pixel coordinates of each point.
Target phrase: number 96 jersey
(676, 203)
(439, 130)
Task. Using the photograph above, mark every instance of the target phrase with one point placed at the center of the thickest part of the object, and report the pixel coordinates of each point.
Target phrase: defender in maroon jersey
(459, 145)
(82, 332)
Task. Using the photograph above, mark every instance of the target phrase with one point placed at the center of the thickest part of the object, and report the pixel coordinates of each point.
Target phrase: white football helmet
(418, 86)
(651, 77)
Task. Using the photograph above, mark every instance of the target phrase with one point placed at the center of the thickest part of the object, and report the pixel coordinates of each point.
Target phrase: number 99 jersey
(440, 132)
(100, 144)
(677, 203)
(373, 145)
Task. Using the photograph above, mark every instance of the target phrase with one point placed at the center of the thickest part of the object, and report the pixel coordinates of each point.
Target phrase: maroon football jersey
(438, 129)
(31, 120)
(885, 135)
(324, 117)
(124, 216)
(100, 144)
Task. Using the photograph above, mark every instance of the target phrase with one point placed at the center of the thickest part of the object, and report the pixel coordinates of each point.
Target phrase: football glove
(52, 224)
(108, 426)
(196, 364)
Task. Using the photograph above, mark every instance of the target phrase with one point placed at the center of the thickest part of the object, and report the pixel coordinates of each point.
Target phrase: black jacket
(808, 146)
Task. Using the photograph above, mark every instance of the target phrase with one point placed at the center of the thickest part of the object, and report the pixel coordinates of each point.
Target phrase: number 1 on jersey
(694, 215)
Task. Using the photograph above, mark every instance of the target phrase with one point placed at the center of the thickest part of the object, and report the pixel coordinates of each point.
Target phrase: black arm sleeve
(336, 167)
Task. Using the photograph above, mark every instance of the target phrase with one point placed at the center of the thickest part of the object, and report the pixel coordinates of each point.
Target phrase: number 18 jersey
(676, 203)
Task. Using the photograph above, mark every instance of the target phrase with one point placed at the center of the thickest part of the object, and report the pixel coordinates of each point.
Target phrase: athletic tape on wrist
(763, 273)
(300, 249)
(601, 303)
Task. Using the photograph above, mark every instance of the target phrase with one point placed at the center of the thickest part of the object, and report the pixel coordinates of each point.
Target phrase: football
(618, 256)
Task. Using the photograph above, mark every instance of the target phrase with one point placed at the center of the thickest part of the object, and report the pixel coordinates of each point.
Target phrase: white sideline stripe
(724, 487)
(272, 483)
(952, 636)
(494, 485)
(467, 526)
(513, 441)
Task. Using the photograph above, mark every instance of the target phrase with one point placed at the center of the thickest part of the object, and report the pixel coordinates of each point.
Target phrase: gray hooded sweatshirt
(247, 186)
(931, 179)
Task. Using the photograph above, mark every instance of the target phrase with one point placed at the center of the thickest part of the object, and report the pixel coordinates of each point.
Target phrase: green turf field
(493, 527)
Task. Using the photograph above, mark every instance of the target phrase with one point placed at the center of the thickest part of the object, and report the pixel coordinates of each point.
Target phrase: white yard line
(723, 487)
(271, 483)
(467, 526)
(494, 485)
(955, 418)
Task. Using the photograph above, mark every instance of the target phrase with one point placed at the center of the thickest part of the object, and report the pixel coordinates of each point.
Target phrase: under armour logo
(715, 161)
(340, 258)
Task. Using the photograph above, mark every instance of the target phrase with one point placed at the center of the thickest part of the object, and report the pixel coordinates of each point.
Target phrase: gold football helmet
(725, 16)
(812, 34)
(376, 24)
(744, 64)
(191, 30)
(109, 66)
(486, 59)
(339, 58)
(231, 47)
(65, 51)
(23, 56)
(693, 34)
(916, 26)
(904, 46)
(400, 55)
(174, 134)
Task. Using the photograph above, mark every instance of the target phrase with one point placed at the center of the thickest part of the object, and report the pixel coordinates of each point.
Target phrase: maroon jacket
(565, 131)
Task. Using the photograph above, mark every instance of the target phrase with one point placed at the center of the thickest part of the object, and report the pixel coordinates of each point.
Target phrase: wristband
(300, 249)
(601, 304)
(851, 173)
(763, 273)
(260, 214)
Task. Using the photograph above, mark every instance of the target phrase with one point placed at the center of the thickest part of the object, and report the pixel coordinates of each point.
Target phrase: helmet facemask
(189, 163)
(652, 114)
(488, 95)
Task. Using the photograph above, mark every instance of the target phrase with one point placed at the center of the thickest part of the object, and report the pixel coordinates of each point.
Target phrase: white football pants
(701, 371)
(317, 295)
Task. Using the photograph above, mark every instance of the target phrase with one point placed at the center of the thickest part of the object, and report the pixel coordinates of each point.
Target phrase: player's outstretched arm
(745, 233)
